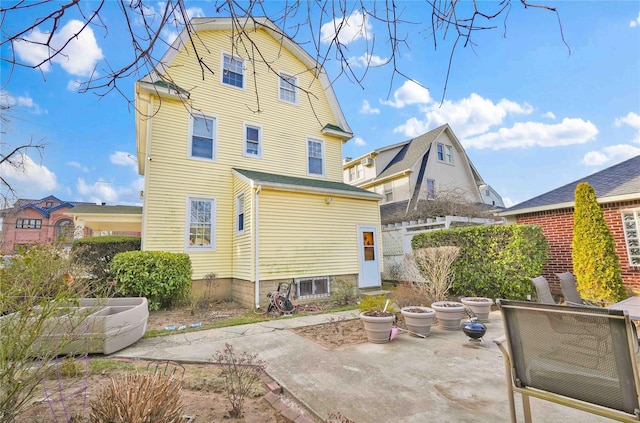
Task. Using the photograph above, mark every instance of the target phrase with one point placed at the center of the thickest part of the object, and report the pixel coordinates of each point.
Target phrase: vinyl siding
(171, 176)
(243, 245)
(301, 235)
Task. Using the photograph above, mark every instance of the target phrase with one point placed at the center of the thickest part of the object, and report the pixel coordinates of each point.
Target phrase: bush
(435, 266)
(375, 303)
(95, 253)
(139, 398)
(495, 261)
(595, 262)
(163, 278)
(409, 294)
(344, 291)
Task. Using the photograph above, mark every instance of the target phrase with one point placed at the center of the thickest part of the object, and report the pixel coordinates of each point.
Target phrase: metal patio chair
(571, 294)
(598, 373)
(543, 292)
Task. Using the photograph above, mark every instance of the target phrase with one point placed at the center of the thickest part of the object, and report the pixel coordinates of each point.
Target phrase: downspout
(256, 238)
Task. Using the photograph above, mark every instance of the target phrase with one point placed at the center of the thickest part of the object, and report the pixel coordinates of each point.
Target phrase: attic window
(288, 92)
(631, 228)
(232, 71)
(49, 204)
(445, 153)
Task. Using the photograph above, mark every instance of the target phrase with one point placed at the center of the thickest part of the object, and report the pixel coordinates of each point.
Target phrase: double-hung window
(315, 156)
(388, 192)
(445, 153)
(240, 214)
(202, 138)
(232, 71)
(431, 189)
(288, 90)
(201, 212)
(252, 140)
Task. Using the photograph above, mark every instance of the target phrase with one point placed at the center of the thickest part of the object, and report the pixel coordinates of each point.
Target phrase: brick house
(31, 222)
(618, 191)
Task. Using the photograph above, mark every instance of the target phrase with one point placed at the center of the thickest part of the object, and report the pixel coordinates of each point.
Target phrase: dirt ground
(203, 394)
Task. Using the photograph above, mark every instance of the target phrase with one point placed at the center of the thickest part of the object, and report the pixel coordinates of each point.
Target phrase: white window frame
(240, 214)
(356, 172)
(288, 87)
(431, 192)
(387, 189)
(444, 153)
(246, 141)
(321, 142)
(212, 240)
(313, 281)
(631, 230)
(224, 71)
(214, 139)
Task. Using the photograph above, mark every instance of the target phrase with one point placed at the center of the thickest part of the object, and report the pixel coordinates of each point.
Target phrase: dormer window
(232, 71)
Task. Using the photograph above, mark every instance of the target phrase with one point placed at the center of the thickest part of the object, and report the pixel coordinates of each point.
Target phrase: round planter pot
(481, 306)
(377, 325)
(418, 319)
(449, 314)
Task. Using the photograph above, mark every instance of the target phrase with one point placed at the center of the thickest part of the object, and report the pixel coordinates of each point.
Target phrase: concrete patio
(443, 378)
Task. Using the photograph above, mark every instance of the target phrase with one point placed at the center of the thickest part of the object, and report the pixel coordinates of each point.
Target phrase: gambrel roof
(619, 182)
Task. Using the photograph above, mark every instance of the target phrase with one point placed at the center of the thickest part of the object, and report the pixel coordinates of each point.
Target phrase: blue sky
(532, 113)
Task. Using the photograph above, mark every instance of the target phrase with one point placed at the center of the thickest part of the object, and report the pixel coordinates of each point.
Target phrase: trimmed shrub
(495, 261)
(95, 253)
(595, 262)
(163, 278)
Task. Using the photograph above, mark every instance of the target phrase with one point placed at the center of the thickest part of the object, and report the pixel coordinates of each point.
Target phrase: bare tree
(300, 21)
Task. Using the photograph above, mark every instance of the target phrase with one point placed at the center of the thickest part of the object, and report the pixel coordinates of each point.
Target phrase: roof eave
(568, 204)
(343, 135)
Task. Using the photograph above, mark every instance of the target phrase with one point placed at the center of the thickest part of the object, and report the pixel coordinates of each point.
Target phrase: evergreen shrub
(95, 253)
(496, 261)
(163, 278)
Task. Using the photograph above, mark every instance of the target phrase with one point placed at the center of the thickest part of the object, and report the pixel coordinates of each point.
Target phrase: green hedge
(95, 253)
(163, 278)
(495, 261)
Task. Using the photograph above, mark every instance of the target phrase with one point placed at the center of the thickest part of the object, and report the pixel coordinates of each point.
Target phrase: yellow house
(239, 136)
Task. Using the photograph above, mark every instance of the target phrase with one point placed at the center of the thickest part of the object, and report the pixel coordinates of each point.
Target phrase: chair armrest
(500, 340)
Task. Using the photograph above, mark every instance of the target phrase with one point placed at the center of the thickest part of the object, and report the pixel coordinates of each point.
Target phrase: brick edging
(273, 397)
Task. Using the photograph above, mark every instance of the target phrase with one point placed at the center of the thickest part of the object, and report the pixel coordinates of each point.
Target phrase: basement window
(631, 228)
(316, 287)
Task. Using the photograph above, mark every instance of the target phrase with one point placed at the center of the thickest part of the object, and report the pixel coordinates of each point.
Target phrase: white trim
(239, 210)
(214, 147)
(321, 142)
(187, 224)
(222, 70)
(244, 140)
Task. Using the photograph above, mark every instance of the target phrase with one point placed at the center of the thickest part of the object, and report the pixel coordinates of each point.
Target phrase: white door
(369, 275)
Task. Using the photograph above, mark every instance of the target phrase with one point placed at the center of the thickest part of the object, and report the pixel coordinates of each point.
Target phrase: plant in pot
(411, 299)
(480, 306)
(434, 265)
(378, 317)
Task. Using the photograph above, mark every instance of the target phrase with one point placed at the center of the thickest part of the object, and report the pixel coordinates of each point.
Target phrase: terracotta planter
(449, 314)
(481, 306)
(377, 325)
(418, 319)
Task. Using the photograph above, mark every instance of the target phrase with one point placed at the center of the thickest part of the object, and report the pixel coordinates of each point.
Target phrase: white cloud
(78, 166)
(346, 29)
(78, 57)
(74, 86)
(610, 155)
(366, 60)
(530, 134)
(635, 22)
(104, 191)
(366, 109)
(9, 100)
(409, 93)
(632, 120)
(359, 142)
(122, 158)
(29, 173)
(470, 116)
(549, 115)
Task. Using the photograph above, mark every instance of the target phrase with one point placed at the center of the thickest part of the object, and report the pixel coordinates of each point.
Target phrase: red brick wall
(557, 226)
(11, 237)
